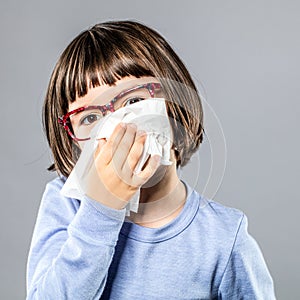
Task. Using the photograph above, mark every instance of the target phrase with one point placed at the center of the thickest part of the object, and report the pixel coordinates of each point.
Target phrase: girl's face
(104, 94)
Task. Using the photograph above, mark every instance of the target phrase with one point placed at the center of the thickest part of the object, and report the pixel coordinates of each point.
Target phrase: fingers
(124, 147)
(122, 151)
(135, 152)
(112, 143)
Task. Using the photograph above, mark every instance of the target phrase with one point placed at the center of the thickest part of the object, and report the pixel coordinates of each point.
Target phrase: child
(86, 248)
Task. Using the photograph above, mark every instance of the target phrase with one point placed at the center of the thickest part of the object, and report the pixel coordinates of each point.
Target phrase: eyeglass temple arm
(60, 120)
(151, 88)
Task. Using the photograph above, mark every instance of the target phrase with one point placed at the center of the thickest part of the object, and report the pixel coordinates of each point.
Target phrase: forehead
(105, 93)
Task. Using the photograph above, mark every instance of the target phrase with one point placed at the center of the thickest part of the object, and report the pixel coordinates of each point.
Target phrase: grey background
(245, 57)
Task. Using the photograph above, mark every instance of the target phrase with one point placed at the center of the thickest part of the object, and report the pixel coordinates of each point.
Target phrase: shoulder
(217, 226)
(227, 223)
(225, 232)
(216, 217)
(55, 184)
(228, 218)
(54, 203)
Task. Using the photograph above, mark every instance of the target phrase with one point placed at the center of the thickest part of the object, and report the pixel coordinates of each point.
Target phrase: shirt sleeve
(246, 275)
(72, 247)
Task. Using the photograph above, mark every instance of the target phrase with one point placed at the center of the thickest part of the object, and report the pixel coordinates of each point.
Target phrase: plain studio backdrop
(244, 57)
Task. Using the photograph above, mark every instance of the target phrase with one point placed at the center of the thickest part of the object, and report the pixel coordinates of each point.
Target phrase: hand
(111, 179)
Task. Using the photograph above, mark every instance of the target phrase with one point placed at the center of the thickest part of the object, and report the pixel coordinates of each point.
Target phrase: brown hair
(106, 53)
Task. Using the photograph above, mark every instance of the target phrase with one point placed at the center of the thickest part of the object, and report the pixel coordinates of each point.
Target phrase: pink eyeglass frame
(65, 119)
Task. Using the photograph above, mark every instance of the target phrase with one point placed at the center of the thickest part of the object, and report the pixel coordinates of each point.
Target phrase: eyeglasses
(79, 122)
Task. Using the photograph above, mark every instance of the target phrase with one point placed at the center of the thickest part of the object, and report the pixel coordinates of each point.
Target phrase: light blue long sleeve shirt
(84, 250)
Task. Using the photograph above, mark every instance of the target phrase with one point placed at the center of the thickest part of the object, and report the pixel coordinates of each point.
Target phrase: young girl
(87, 248)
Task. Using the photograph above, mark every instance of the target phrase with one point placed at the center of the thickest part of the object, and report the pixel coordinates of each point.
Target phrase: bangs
(94, 59)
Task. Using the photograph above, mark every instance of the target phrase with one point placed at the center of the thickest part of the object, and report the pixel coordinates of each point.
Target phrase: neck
(161, 202)
(167, 183)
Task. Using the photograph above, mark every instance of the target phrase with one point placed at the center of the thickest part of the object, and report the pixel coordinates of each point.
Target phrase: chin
(156, 177)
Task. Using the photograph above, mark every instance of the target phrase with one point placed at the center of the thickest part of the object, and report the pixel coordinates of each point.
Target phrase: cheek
(81, 144)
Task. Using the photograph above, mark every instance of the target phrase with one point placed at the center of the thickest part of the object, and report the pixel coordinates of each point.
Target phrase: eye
(133, 100)
(90, 119)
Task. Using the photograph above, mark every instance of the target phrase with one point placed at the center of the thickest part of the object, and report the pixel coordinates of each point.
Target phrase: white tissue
(149, 115)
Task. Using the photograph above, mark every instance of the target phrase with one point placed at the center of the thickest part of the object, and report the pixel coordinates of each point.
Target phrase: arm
(71, 250)
(246, 275)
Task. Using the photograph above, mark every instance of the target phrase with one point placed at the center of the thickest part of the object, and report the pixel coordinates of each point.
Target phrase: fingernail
(132, 125)
(141, 133)
(123, 125)
(101, 141)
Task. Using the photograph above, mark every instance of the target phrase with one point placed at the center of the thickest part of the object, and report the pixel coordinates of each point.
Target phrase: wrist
(108, 200)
